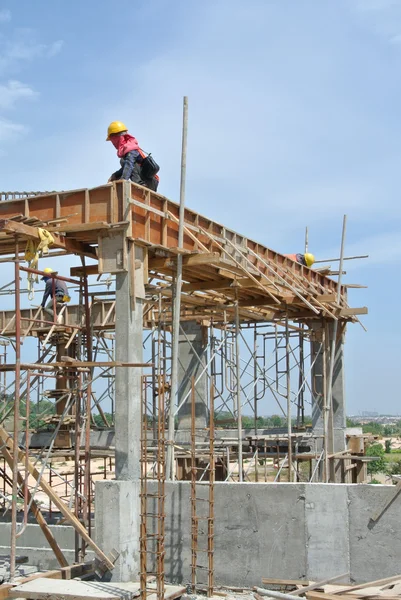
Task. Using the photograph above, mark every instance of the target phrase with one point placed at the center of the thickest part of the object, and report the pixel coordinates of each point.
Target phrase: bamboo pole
(177, 298)
(13, 543)
(238, 390)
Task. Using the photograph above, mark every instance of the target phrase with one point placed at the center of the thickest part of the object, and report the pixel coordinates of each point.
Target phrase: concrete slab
(59, 589)
(327, 528)
(375, 548)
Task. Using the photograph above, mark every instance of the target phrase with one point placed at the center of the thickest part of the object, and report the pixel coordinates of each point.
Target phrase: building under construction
(138, 465)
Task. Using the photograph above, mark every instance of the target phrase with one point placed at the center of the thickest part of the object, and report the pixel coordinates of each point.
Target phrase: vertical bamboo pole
(13, 544)
(210, 521)
(238, 390)
(87, 453)
(288, 376)
(194, 520)
(176, 300)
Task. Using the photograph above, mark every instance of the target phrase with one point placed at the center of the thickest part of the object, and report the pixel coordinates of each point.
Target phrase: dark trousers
(152, 183)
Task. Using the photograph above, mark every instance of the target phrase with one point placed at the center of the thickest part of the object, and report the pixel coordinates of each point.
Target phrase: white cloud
(13, 91)
(29, 50)
(23, 46)
(9, 130)
(5, 15)
(55, 48)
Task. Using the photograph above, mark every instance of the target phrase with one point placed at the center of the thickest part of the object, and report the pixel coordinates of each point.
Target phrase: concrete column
(192, 359)
(128, 382)
(339, 409)
(117, 502)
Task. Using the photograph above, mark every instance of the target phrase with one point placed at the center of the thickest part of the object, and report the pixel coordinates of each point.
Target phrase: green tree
(37, 411)
(387, 445)
(352, 423)
(375, 428)
(378, 465)
(248, 422)
(394, 468)
(99, 421)
(276, 421)
(388, 430)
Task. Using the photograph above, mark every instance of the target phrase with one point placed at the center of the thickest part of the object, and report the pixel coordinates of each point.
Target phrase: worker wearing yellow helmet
(135, 164)
(55, 288)
(305, 260)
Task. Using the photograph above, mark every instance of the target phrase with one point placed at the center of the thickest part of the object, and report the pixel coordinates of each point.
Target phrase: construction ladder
(202, 504)
(152, 502)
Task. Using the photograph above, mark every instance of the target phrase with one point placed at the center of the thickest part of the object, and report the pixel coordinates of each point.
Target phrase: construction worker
(305, 260)
(135, 164)
(54, 287)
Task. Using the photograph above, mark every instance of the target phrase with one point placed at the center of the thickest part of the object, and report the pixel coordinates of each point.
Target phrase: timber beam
(32, 233)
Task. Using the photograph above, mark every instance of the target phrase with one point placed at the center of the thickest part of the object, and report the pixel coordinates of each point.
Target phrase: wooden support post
(65, 511)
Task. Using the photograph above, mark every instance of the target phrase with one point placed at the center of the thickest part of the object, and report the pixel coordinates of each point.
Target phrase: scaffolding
(269, 347)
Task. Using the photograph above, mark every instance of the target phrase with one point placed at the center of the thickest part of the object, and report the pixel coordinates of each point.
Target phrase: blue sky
(294, 120)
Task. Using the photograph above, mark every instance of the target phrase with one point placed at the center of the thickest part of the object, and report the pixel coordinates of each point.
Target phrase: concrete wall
(33, 544)
(281, 530)
(297, 531)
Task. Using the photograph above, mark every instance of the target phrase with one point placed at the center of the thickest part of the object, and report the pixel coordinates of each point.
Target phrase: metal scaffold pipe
(176, 300)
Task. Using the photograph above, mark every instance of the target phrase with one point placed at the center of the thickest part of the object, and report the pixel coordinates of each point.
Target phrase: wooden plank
(326, 297)
(87, 207)
(313, 595)
(78, 227)
(37, 513)
(78, 570)
(219, 284)
(59, 242)
(192, 259)
(66, 512)
(368, 584)
(284, 582)
(318, 584)
(349, 312)
(71, 363)
(88, 270)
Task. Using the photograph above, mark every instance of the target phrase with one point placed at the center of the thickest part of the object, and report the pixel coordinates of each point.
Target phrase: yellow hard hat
(309, 259)
(115, 127)
(47, 271)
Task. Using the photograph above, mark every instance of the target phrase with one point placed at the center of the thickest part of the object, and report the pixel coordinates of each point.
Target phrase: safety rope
(33, 251)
